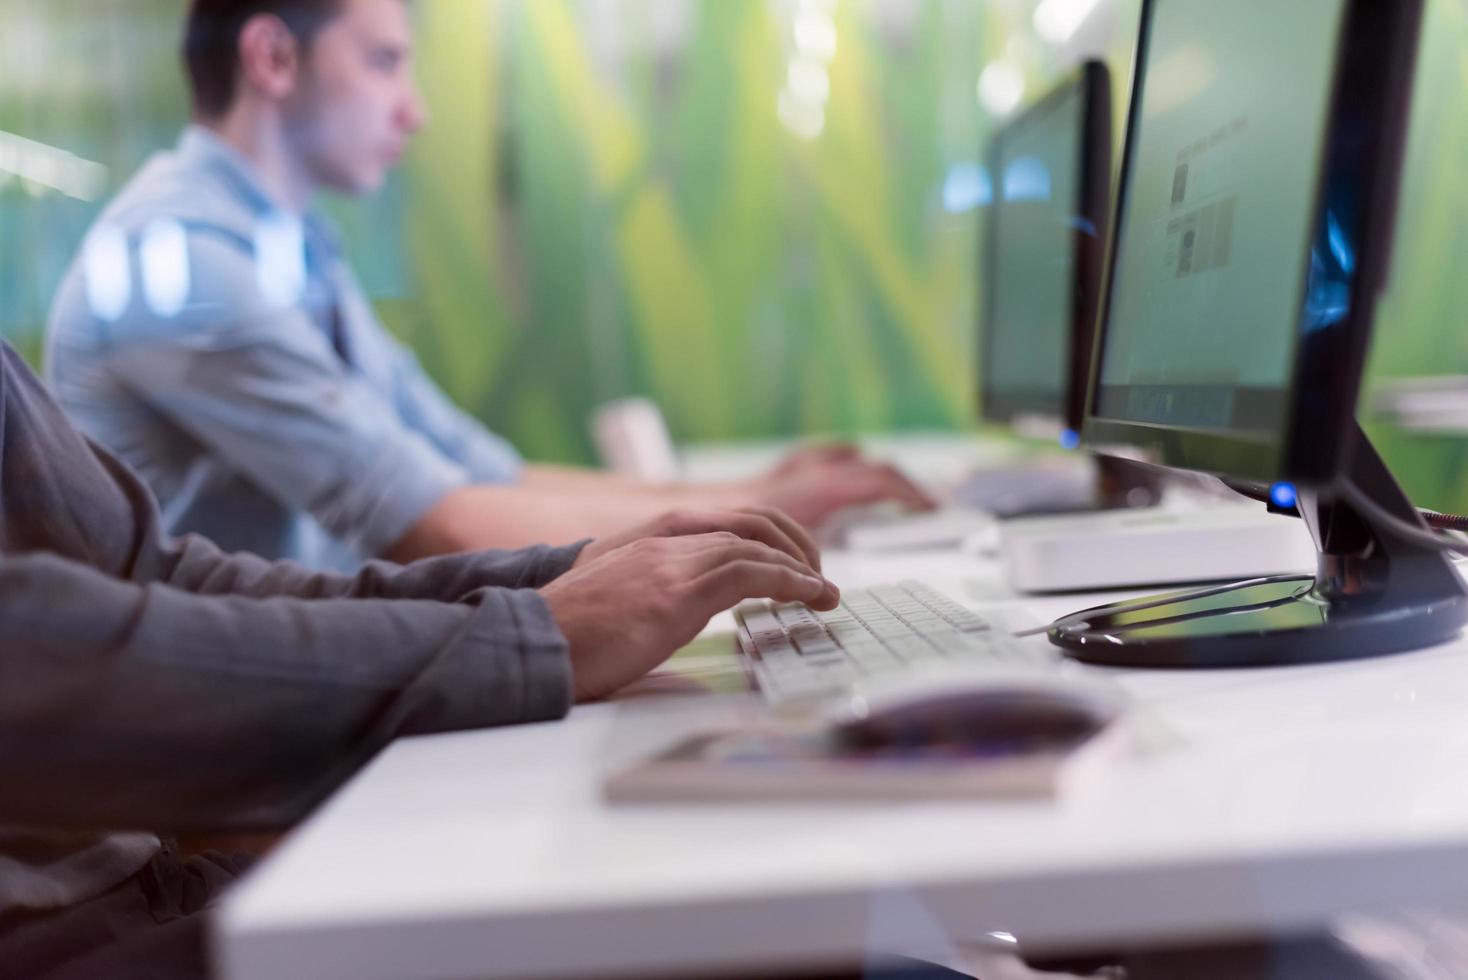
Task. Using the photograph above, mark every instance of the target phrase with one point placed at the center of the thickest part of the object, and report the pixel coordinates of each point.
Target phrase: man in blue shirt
(212, 334)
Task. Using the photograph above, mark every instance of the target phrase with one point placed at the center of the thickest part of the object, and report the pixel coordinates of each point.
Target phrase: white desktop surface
(1261, 800)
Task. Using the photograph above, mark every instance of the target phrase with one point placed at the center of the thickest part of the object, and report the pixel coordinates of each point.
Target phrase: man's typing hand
(813, 484)
(763, 524)
(626, 611)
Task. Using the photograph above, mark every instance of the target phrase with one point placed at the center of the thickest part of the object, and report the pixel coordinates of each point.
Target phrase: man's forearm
(144, 706)
(195, 565)
(670, 493)
(524, 514)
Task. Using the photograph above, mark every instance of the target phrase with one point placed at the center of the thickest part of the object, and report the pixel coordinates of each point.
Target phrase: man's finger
(731, 583)
(883, 482)
(744, 523)
(792, 528)
(832, 452)
(718, 549)
(758, 527)
(911, 493)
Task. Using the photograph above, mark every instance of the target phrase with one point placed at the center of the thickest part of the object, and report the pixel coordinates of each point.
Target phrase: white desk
(1271, 800)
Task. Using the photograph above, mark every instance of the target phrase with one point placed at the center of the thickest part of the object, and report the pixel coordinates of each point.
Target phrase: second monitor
(1043, 254)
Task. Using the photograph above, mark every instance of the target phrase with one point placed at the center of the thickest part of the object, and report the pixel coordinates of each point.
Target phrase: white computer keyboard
(798, 654)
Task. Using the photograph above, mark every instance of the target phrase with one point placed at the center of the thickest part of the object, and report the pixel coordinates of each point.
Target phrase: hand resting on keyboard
(626, 610)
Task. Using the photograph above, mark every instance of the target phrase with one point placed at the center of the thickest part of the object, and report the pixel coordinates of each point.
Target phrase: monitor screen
(1037, 166)
(1218, 215)
(1031, 269)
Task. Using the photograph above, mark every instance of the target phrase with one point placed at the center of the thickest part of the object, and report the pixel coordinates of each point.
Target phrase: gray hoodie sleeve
(142, 706)
(196, 565)
(146, 683)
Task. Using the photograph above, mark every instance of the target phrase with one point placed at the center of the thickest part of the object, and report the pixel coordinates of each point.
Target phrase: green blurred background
(613, 199)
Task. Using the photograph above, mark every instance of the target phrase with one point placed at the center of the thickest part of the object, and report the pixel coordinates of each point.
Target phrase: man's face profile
(357, 105)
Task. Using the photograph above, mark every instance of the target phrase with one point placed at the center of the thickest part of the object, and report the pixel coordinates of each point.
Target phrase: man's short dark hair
(211, 42)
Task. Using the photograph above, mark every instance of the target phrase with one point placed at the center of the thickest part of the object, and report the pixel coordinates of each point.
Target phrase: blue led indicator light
(1283, 495)
(1070, 439)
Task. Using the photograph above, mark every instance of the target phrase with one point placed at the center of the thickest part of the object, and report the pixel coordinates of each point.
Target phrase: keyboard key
(874, 658)
(944, 637)
(780, 657)
(807, 637)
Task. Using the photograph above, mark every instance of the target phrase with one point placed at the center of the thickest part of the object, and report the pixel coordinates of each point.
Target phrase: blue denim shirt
(222, 346)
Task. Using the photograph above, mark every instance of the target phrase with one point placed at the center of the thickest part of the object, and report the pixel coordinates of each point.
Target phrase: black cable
(1445, 522)
(1421, 536)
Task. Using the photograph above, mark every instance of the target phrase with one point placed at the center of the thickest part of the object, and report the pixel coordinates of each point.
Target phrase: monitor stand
(1376, 591)
(1123, 484)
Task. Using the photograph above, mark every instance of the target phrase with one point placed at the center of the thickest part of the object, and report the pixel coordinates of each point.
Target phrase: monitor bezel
(1371, 88)
(1091, 207)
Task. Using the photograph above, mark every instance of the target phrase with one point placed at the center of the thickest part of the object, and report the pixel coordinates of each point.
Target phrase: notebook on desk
(788, 763)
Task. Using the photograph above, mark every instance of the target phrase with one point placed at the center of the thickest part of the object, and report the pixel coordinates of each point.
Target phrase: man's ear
(270, 58)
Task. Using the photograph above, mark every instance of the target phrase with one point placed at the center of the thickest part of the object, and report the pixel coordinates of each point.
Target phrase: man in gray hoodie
(151, 686)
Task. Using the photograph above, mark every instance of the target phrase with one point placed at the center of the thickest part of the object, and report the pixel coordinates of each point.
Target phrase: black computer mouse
(977, 710)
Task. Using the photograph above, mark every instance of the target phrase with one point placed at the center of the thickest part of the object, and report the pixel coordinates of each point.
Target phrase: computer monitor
(1043, 256)
(1045, 239)
(1251, 240)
